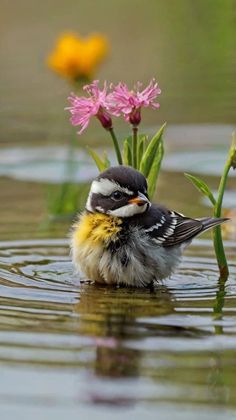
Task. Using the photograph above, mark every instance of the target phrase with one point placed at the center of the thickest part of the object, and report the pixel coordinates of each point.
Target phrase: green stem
(135, 146)
(219, 304)
(116, 145)
(217, 237)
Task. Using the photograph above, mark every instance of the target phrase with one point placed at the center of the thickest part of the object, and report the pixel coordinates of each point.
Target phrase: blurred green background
(188, 45)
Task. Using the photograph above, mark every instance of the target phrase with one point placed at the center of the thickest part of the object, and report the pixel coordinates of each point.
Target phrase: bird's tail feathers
(209, 222)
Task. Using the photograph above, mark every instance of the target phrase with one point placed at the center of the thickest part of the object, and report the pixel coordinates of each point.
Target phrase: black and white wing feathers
(169, 228)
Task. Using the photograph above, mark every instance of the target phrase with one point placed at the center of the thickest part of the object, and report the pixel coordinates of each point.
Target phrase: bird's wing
(171, 228)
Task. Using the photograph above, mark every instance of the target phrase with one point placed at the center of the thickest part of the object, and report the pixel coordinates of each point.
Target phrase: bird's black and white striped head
(119, 191)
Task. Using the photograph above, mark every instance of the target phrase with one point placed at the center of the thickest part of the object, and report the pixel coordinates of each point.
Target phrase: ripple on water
(120, 346)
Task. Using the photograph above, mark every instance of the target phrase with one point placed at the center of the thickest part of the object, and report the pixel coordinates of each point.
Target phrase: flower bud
(104, 118)
(233, 152)
(233, 159)
(135, 117)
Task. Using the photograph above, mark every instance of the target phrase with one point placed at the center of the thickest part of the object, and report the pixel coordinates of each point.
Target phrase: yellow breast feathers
(96, 228)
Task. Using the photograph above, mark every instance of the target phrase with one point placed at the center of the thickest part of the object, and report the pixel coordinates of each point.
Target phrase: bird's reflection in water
(118, 320)
(118, 314)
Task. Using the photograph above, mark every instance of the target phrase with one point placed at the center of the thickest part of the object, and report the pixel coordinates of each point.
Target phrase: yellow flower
(75, 57)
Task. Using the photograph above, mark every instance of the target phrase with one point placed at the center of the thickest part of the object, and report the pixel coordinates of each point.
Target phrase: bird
(123, 239)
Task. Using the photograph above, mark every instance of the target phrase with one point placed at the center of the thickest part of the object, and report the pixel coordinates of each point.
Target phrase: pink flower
(129, 103)
(83, 108)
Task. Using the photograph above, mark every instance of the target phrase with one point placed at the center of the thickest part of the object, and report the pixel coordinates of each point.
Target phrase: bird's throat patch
(96, 228)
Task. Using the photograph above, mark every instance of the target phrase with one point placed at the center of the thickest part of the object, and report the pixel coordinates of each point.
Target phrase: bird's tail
(209, 222)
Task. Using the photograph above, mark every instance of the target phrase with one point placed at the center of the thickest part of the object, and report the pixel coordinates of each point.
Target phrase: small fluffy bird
(122, 238)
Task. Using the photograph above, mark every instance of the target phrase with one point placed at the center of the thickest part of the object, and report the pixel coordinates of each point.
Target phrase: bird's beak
(140, 200)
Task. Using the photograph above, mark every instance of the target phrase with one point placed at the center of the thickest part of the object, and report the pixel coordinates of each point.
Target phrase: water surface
(76, 347)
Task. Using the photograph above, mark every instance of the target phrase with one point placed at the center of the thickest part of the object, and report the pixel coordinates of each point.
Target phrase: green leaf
(102, 163)
(127, 155)
(150, 153)
(141, 147)
(127, 148)
(202, 187)
(155, 169)
(106, 160)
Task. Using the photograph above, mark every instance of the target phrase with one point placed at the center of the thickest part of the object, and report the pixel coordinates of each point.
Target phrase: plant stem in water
(217, 236)
(219, 304)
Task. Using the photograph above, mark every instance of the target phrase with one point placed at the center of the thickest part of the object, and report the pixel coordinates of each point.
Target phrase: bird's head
(119, 191)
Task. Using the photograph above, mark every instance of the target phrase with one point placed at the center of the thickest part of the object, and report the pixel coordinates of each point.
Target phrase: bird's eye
(116, 195)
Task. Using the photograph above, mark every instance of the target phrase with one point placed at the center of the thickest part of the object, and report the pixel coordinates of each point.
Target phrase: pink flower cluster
(120, 101)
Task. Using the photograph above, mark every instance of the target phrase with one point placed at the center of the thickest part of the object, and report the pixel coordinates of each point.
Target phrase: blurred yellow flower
(77, 58)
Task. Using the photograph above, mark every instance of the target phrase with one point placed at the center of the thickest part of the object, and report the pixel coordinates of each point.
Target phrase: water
(84, 350)
(79, 349)
(55, 165)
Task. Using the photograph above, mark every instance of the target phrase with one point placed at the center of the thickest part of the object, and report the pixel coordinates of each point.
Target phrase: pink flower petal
(83, 108)
(123, 101)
